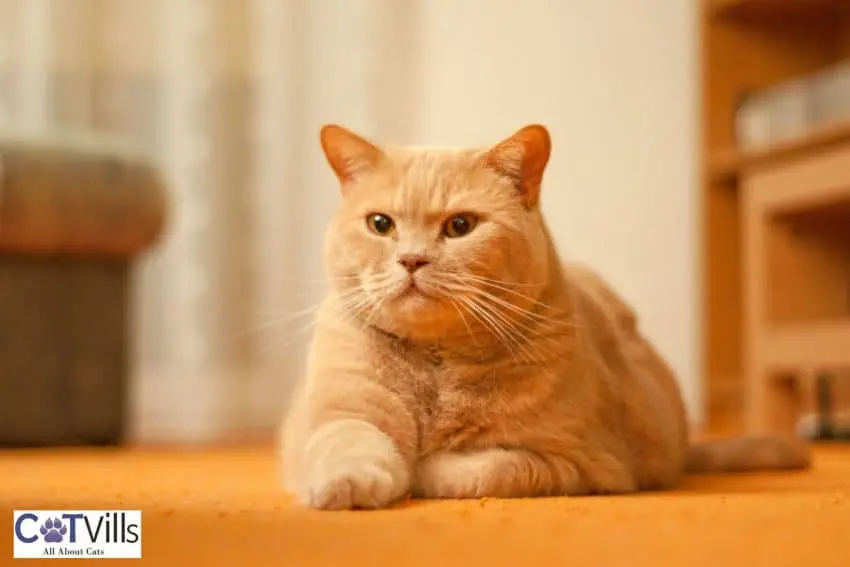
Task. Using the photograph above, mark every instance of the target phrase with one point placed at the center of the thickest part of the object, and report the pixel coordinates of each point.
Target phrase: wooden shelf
(775, 11)
(749, 45)
(815, 344)
(725, 165)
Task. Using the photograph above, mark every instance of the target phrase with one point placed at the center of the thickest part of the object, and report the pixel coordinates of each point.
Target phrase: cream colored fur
(502, 373)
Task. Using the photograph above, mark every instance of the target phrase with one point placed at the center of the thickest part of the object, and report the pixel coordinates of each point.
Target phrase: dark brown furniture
(74, 216)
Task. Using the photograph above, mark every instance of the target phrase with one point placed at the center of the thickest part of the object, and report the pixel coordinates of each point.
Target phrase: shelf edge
(727, 164)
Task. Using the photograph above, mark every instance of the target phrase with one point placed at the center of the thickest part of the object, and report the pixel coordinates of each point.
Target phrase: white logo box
(77, 534)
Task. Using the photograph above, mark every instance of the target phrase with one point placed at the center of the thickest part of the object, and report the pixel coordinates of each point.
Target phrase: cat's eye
(380, 224)
(459, 225)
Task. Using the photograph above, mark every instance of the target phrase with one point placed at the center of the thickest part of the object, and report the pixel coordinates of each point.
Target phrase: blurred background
(226, 99)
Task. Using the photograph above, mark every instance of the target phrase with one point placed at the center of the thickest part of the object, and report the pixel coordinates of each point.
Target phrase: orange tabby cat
(456, 356)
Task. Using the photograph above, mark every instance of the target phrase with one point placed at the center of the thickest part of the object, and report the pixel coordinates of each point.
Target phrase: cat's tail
(740, 454)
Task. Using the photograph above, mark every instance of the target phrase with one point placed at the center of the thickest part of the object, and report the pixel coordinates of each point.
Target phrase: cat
(456, 356)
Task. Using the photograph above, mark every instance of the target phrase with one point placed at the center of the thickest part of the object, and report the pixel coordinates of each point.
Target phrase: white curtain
(227, 97)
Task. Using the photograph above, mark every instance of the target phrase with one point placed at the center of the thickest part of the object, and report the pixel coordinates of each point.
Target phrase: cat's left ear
(522, 158)
(348, 154)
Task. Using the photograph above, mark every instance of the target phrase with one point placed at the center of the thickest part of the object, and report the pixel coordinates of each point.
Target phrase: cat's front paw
(457, 475)
(351, 484)
(351, 464)
(495, 473)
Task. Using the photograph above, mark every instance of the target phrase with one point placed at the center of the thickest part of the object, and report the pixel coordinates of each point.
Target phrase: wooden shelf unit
(749, 45)
(796, 282)
(773, 11)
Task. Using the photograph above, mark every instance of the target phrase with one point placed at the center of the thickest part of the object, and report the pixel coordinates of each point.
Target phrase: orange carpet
(223, 507)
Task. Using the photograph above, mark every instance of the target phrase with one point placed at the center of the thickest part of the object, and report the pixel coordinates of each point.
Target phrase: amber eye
(459, 225)
(380, 224)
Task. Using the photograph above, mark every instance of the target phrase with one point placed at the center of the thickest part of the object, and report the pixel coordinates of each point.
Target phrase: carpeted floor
(223, 507)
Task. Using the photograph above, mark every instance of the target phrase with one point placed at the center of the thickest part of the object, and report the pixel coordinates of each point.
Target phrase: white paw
(351, 464)
(456, 475)
(357, 483)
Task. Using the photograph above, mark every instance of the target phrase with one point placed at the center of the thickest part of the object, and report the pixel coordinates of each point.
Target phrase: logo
(77, 534)
(53, 530)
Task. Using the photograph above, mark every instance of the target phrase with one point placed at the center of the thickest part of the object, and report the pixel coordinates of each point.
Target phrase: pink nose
(412, 262)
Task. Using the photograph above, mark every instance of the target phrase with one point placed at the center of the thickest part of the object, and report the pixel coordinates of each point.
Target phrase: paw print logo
(53, 530)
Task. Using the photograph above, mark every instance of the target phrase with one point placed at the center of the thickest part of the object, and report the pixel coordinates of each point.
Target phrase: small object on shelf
(793, 109)
(827, 429)
(790, 110)
(831, 95)
(824, 396)
(752, 122)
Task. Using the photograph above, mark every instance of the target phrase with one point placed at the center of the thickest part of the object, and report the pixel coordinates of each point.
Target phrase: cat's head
(424, 239)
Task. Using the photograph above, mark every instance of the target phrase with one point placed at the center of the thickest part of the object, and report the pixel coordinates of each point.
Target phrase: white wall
(616, 83)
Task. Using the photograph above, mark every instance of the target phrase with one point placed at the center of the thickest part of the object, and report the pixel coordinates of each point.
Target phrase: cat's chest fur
(446, 396)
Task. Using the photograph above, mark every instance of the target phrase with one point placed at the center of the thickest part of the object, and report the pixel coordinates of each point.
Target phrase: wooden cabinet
(795, 277)
(749, 45)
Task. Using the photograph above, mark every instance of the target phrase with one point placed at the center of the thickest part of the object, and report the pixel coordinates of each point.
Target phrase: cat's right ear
(348, 154)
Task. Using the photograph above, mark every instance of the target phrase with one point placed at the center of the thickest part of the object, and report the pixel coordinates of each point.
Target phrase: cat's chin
(416, 314)
(412, 301)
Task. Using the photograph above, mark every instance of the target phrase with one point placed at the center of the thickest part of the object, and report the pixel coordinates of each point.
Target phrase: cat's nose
(413, 262)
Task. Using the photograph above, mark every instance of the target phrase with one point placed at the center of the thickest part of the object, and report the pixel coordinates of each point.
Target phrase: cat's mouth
(412, 289)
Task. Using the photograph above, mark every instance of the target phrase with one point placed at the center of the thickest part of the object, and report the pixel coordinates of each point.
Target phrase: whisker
(502, 286)
(550, 322)
(347, 299)
(466, 324)
(486, 320)
(500, 282)
(517, 294)
(529, 324)
(365, 307)
(353, 306)
(533, 318)
(276, 346)
(560, 322)
(279, 319)
(326, 279)
(510, 328)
